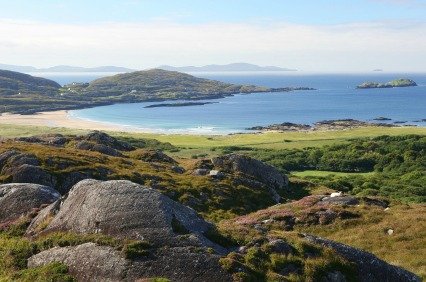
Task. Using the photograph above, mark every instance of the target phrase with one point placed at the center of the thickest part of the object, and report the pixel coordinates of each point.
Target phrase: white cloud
(351, 47)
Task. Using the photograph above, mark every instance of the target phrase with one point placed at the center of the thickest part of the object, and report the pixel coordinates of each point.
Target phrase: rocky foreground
(111, 229)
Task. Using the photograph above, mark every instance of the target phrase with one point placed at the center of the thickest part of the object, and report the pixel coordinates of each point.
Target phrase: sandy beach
(59, 119)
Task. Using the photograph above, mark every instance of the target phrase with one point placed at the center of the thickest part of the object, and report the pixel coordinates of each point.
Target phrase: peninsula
(24, 94)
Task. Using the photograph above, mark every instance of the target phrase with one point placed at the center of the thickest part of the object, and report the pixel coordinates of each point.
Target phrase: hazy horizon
(311, 36)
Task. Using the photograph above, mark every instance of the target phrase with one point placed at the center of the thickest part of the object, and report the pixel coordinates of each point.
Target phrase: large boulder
(86, 262)
(91, 262)
(369, 267)
(265, 173)
(180, 248)
(19, 199)
(124, 209)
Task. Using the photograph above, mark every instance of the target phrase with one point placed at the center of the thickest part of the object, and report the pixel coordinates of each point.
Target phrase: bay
(335, 98)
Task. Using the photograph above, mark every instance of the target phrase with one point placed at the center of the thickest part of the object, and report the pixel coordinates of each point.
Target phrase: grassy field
(200, 144)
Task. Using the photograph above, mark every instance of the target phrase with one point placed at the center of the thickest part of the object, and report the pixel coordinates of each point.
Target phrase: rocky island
(402, 82)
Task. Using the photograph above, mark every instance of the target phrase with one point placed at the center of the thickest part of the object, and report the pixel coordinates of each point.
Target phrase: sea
(336, 97)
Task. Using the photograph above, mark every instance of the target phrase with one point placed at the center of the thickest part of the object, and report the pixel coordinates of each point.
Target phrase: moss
(136, 250)
(65, 239)
(51, 272)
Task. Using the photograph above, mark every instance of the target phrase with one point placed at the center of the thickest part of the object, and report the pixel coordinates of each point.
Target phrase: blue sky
(198, 11)
(309, 35)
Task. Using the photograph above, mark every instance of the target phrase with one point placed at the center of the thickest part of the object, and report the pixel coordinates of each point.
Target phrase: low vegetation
(386, 164)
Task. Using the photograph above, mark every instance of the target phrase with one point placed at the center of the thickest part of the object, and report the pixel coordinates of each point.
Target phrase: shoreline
(62, 118)
(59, 118)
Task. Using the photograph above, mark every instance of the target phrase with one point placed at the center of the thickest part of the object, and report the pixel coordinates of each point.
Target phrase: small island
(183, 104)
(402, 82)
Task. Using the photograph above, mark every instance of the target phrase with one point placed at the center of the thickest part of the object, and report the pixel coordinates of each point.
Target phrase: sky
(315, 36)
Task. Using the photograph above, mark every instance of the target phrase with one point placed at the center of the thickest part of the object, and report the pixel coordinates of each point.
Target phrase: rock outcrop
(153, 156)
(99, 137)
(19, 199)
(369, 267)
(265, 173)
(86, 262)
(24, 168)
(101, 148)
(125, 210)
(46, 139)
(91, 262)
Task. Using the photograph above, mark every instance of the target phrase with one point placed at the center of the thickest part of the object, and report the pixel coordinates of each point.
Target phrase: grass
(405, 248)
(200, 144)
(320, 173)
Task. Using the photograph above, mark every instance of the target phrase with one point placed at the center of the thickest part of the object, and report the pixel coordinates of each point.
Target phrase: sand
(60, 119)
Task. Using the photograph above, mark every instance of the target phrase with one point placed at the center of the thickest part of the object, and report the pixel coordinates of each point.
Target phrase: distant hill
(15, 83)
(158, 84)
(25, 94)
(64, 68)
(229, 67)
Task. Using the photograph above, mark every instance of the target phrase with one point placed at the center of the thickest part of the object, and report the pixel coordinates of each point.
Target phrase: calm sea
(336, 98)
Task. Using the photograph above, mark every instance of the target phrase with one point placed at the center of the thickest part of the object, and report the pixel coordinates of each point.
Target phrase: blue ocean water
(336, 98)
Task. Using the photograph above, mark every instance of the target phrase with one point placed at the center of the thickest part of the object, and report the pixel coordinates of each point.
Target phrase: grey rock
(102, 138)
(101, 148)
(178, 169)
(326, 217)
(86, 262)
(265, 173)
(127, 210)
(369, 267)
(5, 156)
(18, 199)
(32, 174)
(344, 200)
(10, 160)
(181, 264)
(42, 217)
(47, 139)
(90, 262)
(201, 171)
(334, 276)
(375, 202)
(156, 156)
(280, 246)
